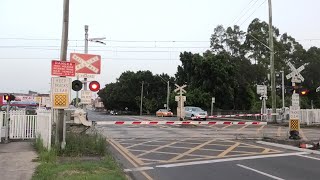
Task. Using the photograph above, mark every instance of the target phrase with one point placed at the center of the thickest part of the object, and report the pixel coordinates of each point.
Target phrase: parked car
(31, 110)
(113, 112)
(164, 113)
(195, 112)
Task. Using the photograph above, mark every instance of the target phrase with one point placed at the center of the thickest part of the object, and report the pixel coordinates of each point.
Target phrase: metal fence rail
(22, 126)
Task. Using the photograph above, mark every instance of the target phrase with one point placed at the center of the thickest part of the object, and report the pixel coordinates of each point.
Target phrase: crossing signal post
(296, 79)
(8, 98)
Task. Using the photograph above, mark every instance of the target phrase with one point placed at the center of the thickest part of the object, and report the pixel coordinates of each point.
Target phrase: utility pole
(63, 57)
(86, 29)
(141, 98)
(273, 81)
(7, 122)
(168, 95)
(282, 76)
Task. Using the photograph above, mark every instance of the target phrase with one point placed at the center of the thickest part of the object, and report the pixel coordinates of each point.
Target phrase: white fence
(279, 117)
(310, 116)
(22, 126)
(307, 116)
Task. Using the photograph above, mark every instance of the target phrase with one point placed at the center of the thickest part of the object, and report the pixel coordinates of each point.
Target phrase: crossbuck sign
(180, 89)
(295, 73)
(86, 63)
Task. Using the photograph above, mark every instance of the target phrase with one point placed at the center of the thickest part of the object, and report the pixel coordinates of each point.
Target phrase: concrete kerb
(288, 147)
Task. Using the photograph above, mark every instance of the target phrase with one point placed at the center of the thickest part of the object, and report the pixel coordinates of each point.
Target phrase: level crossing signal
(76, 85)
(93, 85)
(9, 97)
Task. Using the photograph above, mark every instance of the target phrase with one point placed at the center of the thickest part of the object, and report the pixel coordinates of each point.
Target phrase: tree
(74, 101)
(126, 92)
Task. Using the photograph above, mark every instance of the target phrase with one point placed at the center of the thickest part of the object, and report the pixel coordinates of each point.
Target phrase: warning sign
(86, 97)
(62, 68)
(60, 92)
(294, 125)
(60, 101)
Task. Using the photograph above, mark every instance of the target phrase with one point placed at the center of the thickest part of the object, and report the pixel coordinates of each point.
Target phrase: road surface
(203, 151)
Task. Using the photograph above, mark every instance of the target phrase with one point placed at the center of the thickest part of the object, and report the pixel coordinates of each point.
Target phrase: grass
(84, 145)
(51, 168)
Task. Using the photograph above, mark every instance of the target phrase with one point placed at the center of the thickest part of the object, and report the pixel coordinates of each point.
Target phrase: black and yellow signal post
(296, 79)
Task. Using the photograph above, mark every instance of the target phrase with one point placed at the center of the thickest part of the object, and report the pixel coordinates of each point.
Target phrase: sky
(140, 34)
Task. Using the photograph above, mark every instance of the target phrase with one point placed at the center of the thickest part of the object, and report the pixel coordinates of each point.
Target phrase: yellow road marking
(258, 130)
(129, 154)
(190, 151)
(279, 132)
(126, 157)
(266, 150)
(138, 144)
(228, 150)
(303, 135)
(226, 126)
(224, 145)
(156, 149)
(240, 129)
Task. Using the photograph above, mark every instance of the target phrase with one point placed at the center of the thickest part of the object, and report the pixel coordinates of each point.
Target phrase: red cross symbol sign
(86, 63)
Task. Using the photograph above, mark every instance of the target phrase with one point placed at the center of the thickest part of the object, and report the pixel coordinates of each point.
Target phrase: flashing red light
(94, 86)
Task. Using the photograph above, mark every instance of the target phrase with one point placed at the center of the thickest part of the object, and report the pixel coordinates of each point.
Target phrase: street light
(168, 91)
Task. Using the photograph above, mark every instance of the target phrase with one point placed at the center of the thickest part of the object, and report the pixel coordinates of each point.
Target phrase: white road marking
(138, 169)
(229, 159)
(289, 147)
(260, 172)
(309, 157)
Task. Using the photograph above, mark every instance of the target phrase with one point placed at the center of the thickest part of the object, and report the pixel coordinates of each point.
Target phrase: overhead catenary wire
(252, 13)
(105, 58)
(245, 12)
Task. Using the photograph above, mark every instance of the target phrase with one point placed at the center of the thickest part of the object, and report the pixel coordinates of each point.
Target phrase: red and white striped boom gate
(176, 122)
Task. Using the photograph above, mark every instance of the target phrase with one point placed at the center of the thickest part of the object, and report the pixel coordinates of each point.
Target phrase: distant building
(30, 99)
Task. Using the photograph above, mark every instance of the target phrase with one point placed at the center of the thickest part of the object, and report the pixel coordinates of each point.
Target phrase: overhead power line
(121, 41)
(108, 46)
(245, 11)
(127, 59)
(252, 13)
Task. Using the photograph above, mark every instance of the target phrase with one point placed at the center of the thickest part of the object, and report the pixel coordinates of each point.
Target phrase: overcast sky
(34, 27)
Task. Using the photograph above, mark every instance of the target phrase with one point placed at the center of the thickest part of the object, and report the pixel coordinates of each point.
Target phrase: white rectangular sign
(183, 98)
(60, 85)
(60, 92)
(262, 89)
(295, 99)
(213, 100)
(294, 112)
(82, 75)
(86, 97)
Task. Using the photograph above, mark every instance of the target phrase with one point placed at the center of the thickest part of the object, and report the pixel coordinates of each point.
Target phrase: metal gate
(22, 126)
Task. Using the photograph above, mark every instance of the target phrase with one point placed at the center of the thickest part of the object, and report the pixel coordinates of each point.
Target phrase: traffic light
(304, 92)
(76, 85)
(9, 97)
(94, 86)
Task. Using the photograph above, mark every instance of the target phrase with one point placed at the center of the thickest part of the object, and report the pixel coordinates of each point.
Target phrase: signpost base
(294, 126)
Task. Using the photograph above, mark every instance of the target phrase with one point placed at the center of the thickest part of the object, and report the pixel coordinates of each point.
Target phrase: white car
(195, 112)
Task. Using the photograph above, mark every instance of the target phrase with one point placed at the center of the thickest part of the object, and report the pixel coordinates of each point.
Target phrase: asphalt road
(203, 152)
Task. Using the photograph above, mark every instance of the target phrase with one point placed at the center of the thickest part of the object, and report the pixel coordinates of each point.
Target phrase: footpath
(16, 161)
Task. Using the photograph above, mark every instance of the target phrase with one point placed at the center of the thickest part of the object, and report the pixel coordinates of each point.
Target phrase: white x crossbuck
(295, 73)
(88, 64)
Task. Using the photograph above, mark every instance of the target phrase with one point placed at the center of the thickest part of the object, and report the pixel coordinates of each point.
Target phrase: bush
(45, 155)
(84, 144)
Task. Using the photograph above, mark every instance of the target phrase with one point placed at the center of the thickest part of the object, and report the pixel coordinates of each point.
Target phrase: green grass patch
(77, 145)
(104, 169)
(84, 145)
